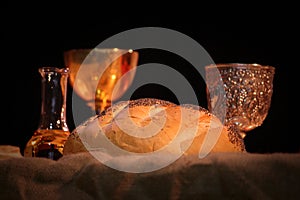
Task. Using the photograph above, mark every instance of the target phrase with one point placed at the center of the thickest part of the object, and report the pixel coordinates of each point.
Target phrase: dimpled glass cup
(243, 90)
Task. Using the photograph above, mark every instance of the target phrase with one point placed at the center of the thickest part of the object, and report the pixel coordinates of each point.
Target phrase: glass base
(99, 106)
(47, 144)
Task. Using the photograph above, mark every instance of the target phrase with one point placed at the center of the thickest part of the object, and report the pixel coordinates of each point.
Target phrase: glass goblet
(101, 75)
(242, 90)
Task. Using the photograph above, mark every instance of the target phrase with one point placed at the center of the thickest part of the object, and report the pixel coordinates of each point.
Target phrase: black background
(32, 37)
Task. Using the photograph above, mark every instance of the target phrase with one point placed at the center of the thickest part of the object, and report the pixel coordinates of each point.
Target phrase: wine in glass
(101, 75)
(243, 91)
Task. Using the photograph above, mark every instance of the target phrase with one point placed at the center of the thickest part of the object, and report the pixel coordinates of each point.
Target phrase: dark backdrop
(38, 37)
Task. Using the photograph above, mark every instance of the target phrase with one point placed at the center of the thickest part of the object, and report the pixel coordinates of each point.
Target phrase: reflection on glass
(100, 76)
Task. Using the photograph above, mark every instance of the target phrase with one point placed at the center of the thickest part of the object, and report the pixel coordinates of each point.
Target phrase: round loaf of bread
(149, 125)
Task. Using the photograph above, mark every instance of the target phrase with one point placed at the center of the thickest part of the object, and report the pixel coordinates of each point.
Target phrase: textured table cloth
(217, 176)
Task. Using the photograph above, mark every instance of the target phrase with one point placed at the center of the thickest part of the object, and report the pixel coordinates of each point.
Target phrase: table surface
(218, 175)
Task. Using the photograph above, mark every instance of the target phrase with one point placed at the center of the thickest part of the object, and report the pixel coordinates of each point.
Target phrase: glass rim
(53, 69)
(88, 50)
(240, 65)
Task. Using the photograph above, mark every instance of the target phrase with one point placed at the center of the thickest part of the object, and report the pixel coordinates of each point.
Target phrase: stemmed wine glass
(101, 75)
(243, 91)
